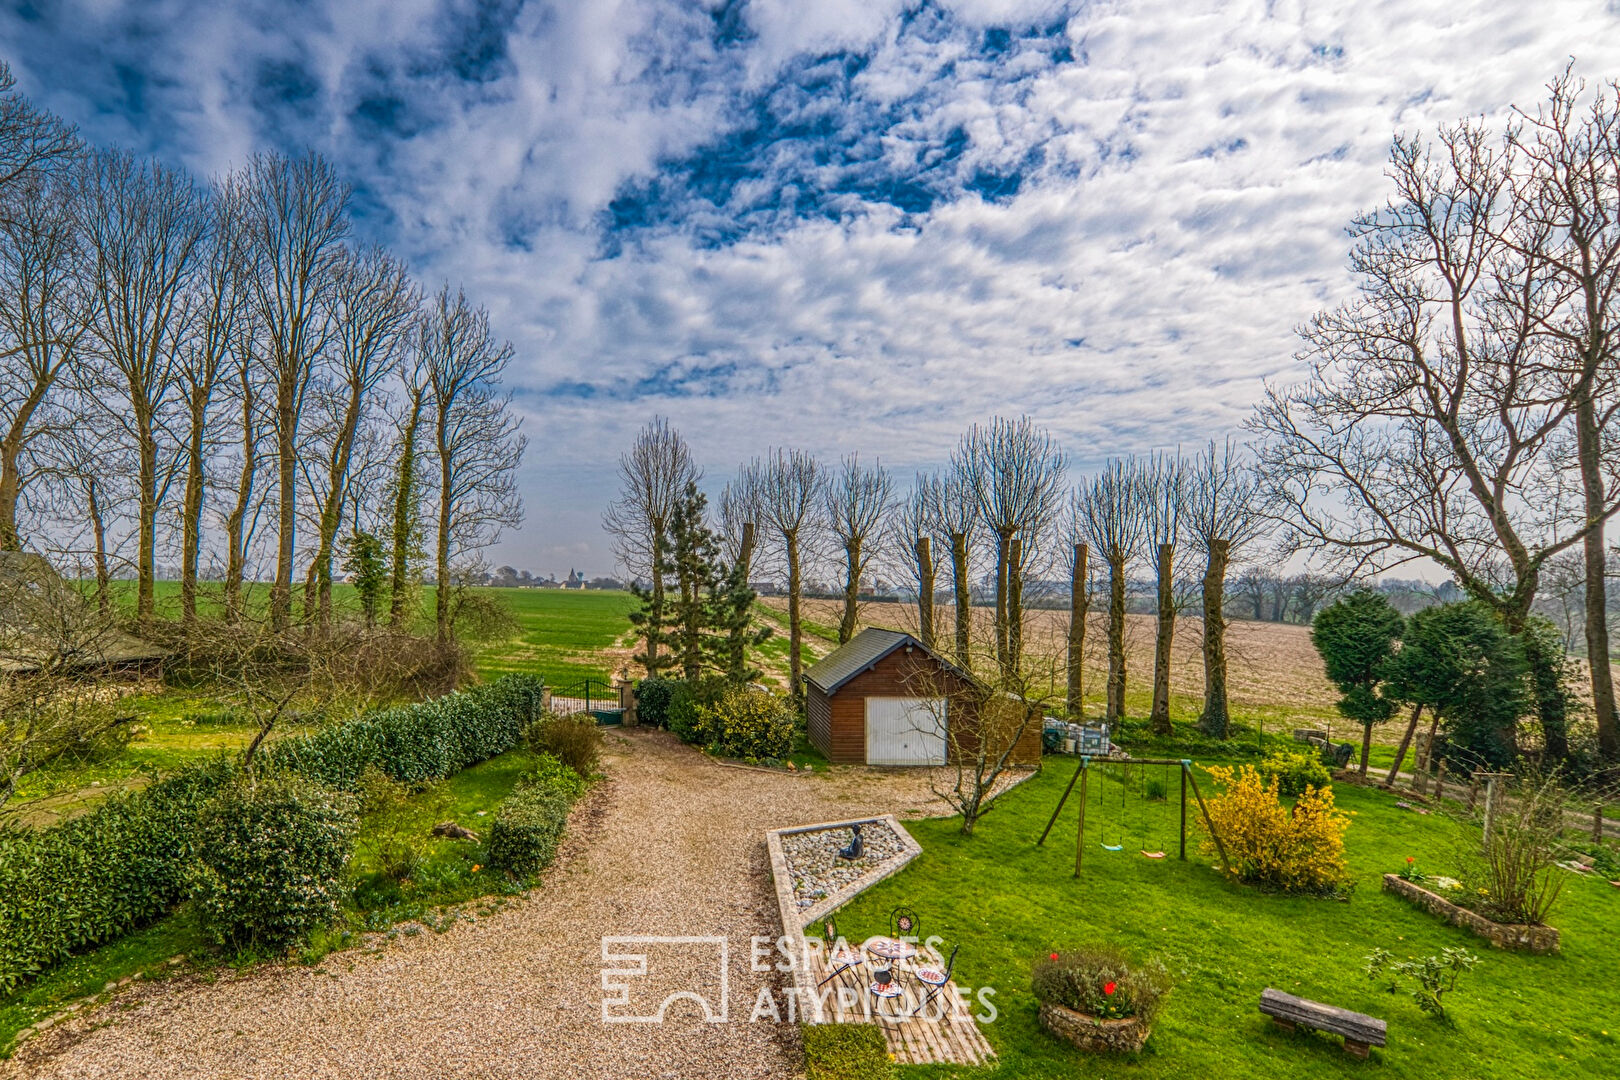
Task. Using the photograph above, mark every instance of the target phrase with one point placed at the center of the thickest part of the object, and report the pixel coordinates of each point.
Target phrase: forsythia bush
(1298, 850)
(271, 851)
(748, 724)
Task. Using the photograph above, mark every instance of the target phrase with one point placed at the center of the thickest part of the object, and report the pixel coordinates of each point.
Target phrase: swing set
(1112, 836)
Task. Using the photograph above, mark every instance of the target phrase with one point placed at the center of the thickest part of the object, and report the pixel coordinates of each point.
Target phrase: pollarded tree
(404, 488)
(792, 483)
(1015, 471)
(1110, 516)
(1356, 636)
(957, 513)
(1162, 486)
(1222, 517)
(913, 529)
(858, 502)
(653, 473)
(1079, 608)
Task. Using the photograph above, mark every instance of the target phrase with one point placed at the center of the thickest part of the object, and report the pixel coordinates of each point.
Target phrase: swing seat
(1153, 854)
(1111, 847)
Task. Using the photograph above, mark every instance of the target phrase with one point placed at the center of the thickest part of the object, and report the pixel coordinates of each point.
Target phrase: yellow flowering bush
(1294, 850)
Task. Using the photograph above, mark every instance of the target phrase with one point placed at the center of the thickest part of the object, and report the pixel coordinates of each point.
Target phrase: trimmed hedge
(528, 827)
(98, 876)
(416, 744)
(106, 873)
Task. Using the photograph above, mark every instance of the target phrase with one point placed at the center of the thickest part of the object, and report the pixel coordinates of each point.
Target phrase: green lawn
(1005, 901)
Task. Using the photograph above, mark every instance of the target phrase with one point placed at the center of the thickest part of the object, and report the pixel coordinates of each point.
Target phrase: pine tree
(654, 621)
(695, 555)
(732, 613)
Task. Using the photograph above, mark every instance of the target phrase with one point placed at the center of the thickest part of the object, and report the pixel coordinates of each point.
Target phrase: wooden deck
(944, 1032)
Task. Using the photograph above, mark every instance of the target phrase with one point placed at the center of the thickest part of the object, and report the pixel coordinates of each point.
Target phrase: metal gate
(599, 699)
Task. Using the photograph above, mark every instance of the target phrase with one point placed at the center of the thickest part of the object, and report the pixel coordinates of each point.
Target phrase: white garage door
(905, 731)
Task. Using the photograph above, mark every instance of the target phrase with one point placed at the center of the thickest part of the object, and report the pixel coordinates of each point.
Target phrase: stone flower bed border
(1517, 937)
(794, 921)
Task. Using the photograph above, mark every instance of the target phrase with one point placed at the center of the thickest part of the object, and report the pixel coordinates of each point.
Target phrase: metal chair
(903, 924)
(936, 979)
(885, 987)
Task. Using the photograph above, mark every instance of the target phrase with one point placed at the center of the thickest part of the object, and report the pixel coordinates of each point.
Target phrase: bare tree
(296, 218)
(217, 303)
(1425, 428)
(42, 319)
(32, 142)
(374, 305)
(248, 403)
(144, 224)
(1568, 193)
(1079, 609)
(914, 527)
(653, 474)
(740, 515)
(957, 511)
(475, 439)
(1110, 513)
(1162, 486)
(791, 487)
(858, 501)
(404, 523)
(1015, 471)
(1222, 517)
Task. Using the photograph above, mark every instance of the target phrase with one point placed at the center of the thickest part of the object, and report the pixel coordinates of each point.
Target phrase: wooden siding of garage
(818, 719)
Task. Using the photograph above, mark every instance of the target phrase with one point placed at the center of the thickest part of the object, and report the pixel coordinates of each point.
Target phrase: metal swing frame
(1082, 774)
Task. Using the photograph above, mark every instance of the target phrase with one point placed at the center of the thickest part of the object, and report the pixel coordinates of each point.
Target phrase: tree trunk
(1366, 748)
(441, 589)
(1406, 741)
(332, 512)
(98, 527)
(404, 514)
(10, 489)
(1589, 448)
(655, 614)
(286, 519)
(236, 522)
(146, 546)
(1214, 719)
(925, 592)
(964, 600)
(852, 589)
(795, 662)
(1116, 637)
(1079, 607)
(1161, 647)
(1003, 550)
(1015, 605)
(191, 511)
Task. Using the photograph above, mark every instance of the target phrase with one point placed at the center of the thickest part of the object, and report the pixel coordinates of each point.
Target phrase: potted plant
(1099, 999)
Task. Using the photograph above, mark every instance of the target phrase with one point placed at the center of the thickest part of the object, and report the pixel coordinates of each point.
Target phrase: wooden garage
(886, 699)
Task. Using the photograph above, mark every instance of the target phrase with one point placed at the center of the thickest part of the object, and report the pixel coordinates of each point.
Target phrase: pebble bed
(818, 872)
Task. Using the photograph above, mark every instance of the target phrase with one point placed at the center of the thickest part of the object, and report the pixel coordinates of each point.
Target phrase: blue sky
(846, 224)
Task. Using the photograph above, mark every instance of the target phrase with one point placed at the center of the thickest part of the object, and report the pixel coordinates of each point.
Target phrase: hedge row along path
(670, 844)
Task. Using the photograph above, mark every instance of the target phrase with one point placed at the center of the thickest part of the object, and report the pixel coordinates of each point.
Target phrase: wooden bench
(1359, 1031)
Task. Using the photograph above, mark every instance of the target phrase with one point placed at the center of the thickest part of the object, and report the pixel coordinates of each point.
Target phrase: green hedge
(101, 875)
(416, 744)
(98, 876)
(528, 827)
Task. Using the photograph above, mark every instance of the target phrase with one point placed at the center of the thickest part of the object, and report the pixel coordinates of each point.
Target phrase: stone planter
(1514, 936)
(1089, 1033)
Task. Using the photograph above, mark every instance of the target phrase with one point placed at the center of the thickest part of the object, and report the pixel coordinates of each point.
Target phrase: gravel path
(670, 844)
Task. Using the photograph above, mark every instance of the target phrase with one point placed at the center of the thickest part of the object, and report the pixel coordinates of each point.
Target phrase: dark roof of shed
(862, 651)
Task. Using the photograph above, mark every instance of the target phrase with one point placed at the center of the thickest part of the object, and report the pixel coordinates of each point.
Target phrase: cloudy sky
(837, 224)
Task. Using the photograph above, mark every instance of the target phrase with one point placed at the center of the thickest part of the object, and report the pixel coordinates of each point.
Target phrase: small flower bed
(1102, 982)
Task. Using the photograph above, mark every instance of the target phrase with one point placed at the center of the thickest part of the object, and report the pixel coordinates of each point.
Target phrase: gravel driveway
(670, 844)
